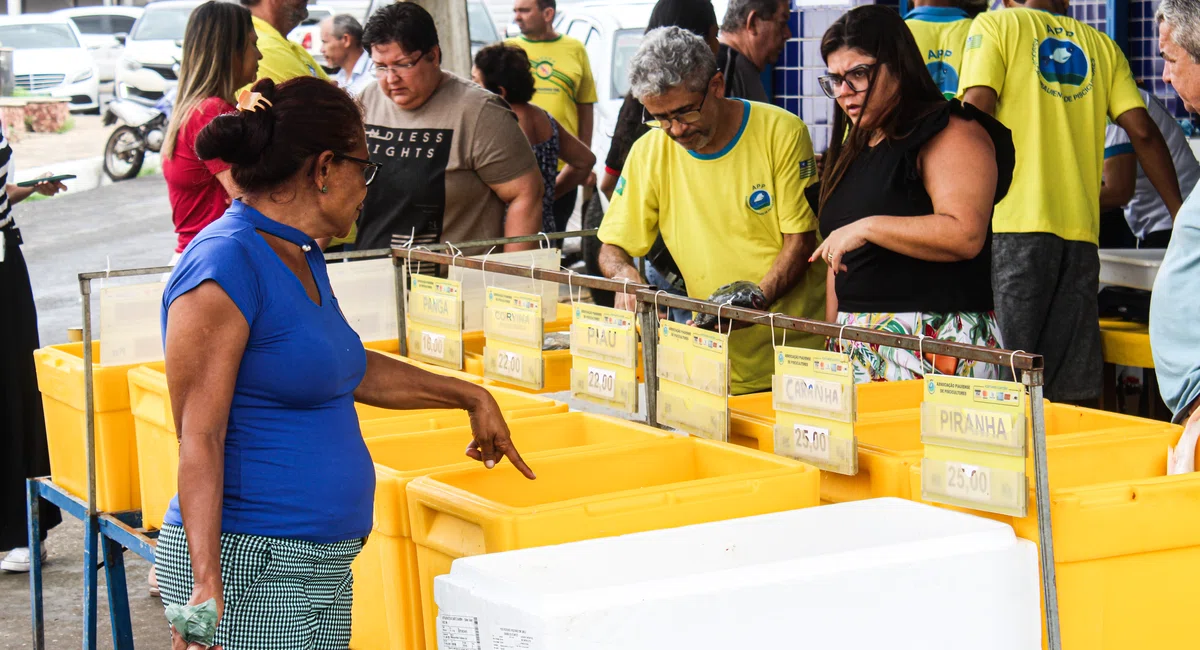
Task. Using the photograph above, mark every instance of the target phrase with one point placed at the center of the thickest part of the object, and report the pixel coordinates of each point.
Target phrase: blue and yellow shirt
(723, 217)
(1059, 81)
(941, 33)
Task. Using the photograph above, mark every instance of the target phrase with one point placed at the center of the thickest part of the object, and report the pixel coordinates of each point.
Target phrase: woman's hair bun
(241, 137)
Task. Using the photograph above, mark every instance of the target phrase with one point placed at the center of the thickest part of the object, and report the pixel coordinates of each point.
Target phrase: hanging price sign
(814, 399)
(512, 328)
(975, 444)
(435, 321)
(693, 387)
(604, 357)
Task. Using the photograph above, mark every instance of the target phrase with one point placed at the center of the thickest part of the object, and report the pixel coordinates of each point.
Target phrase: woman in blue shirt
(275, 482)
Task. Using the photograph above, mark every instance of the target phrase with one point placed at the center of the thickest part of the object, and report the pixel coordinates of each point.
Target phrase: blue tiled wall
(796, 71)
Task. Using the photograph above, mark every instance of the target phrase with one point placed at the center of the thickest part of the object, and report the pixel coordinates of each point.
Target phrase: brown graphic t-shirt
(438, 161)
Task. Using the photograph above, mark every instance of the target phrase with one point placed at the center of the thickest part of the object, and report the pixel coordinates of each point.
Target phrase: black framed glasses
(857, 79)
(400, 69)
(690, 117)
(370, 169)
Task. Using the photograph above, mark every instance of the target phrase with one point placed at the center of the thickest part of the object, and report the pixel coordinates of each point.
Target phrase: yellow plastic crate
(60, 379)
(889, 445)
(156, 440)
(873, 400)
(1126, 546)
(597, 494)
(385, 581)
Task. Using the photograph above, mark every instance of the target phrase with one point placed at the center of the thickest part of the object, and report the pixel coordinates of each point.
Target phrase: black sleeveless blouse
(884, 180)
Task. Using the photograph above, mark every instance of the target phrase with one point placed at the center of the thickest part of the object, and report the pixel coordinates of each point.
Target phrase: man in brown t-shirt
(456, 165)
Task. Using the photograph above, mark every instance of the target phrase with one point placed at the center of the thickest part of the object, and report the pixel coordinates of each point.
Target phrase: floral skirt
(881, 363)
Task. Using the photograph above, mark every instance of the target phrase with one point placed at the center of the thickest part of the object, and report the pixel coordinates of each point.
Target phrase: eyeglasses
(856, 78)
(399, 69)
(690, 117)
(370, 169)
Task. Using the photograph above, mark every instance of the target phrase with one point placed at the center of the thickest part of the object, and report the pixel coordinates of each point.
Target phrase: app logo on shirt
(759, 200)
(945, 76)
(1062, 62)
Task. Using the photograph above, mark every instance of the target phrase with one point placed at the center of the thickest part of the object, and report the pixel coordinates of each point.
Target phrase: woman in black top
(906, 200)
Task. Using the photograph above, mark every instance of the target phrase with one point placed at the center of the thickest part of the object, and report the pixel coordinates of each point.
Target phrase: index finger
(514, 457)
(820, 252)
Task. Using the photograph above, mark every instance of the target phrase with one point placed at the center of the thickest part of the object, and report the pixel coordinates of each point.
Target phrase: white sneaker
(17, 560)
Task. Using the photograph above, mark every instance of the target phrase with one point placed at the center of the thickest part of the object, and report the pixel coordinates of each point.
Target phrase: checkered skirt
(281, 594)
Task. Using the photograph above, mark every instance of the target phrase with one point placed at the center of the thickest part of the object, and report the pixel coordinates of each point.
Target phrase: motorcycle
(143, 129)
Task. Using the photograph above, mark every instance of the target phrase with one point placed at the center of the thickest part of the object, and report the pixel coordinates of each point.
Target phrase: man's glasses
(690, 117)
(370, 169)
(857, 79)
(399, 69)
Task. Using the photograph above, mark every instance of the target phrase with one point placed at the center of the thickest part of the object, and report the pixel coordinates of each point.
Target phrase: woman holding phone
(22, 427)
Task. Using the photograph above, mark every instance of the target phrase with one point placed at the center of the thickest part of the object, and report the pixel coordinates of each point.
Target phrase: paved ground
(128, 225)
(63, 600)
(125, 225)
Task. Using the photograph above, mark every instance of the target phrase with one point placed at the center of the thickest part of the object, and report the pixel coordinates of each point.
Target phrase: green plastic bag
(195, 623)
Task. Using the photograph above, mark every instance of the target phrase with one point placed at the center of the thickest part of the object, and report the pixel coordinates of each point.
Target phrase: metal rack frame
(123, 530)
(648, 301)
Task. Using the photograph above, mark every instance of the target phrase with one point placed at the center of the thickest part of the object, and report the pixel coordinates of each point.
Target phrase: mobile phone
(49, 179)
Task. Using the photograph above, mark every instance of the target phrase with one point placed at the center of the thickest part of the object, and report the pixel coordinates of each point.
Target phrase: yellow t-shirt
(281, 58)
(941, 33)
(562, 77)
(723, 217)
(1058, 82)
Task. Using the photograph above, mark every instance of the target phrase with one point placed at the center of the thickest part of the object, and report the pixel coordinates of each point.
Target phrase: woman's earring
(324, 190)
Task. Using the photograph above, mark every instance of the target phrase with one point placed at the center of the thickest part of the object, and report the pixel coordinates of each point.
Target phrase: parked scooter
(143, 129)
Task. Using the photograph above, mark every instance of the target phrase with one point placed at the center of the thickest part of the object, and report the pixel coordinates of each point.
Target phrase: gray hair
(1184, 18)
(740, 10)
(346, 24)
(671, 57)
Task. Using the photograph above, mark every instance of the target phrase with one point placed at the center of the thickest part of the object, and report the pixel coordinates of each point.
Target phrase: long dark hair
(879, 32)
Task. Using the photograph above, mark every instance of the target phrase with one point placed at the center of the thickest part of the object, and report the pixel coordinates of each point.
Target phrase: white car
(611, 33)
(481, 27)
(103, 28)
(150, 65)
(50, 59)
(308, 33)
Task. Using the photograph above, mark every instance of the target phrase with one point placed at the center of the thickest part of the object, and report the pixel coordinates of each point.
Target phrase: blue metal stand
(107, 533)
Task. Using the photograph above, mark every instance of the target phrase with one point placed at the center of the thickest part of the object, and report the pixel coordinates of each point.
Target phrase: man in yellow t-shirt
(562, 80)
(940, 29)
(281, 58)
(723, 181)
(1055, 82)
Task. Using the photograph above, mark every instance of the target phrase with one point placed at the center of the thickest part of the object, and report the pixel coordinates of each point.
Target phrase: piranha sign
(974, 414)
(975, 444)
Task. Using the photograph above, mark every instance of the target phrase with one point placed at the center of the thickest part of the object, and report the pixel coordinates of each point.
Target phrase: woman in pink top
(220, 55)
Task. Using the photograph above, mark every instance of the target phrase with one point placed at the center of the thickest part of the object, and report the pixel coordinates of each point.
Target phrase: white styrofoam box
(882, 573)
(1135, 269)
